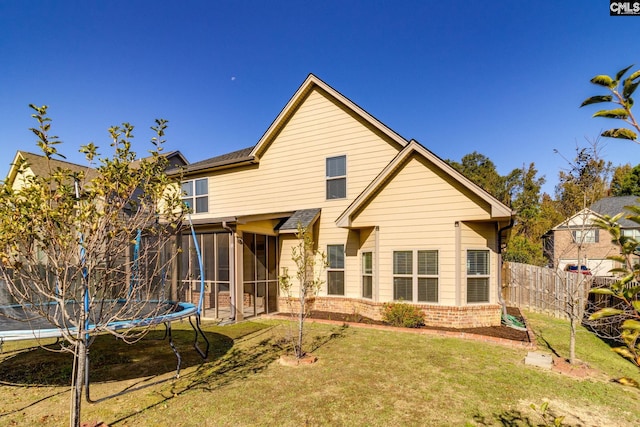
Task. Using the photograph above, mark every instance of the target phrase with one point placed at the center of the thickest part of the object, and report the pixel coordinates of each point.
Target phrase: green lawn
(363, 377)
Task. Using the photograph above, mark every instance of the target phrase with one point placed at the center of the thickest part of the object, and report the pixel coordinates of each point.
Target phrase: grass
(363, 377)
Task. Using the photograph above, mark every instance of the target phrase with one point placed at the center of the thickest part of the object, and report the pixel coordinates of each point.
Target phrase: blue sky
(504, 78)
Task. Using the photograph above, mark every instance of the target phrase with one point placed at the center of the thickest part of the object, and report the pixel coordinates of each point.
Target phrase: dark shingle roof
(304, 217)
(614, 205)
(40, 167)
(222, 160)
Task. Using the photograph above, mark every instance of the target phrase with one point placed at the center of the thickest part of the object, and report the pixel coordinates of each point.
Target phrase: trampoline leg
(173, 347)
(204, 354)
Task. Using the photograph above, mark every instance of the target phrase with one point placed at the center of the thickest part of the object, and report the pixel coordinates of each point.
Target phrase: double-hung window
(335, 270)
(367, 275)
(337, 177)
(195, 194)
(585, 236)
(415, 275)
(403, 275)
(477, 276)
(427, 276)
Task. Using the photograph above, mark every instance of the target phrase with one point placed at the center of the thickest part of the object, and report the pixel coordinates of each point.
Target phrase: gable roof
(251, 155)
(610, 206)
(567, 223)
(313, 82)
(614, 205)
(498, 209)
(39, 165)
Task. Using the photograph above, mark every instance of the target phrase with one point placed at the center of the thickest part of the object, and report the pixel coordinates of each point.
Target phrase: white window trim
(332, 178)
(343, 270)
(414, 274)
(363, 274)
(477, 276)
(194, 197)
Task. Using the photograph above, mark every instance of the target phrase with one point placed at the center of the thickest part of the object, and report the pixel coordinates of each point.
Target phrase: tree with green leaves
(482, 171)
(620, 92)
(625, 289)
(626, 181)
(66, 239)
(524, 245)
(585, 180)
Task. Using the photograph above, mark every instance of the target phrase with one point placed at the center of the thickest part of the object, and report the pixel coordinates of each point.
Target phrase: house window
(478, 276)
(195, 194)
(428, 276)
(415, 273)
(402, 275)
(367, 275)
(335, 270)
(585, 236)
(337, 177)
(631, 233)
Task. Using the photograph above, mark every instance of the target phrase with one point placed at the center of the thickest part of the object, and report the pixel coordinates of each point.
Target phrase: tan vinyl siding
(417, 210)
(292, 174)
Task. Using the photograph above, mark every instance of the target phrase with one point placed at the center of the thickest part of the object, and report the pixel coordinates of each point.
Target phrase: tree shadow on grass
(239, 363)
(514, 418)
(111, 359)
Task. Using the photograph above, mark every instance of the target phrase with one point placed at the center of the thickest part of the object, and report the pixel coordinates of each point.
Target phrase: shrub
(401, 314)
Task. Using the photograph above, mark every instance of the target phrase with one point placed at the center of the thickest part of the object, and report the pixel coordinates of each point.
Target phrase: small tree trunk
(78, 381)
(300, 326)
(572, 339)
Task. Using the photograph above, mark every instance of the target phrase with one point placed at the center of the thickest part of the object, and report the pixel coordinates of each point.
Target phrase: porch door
(260, 278)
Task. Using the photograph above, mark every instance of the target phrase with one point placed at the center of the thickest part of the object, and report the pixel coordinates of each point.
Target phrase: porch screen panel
(261, 257)
(248, 256)
(272, 265)
(222, 256)
(208, 254)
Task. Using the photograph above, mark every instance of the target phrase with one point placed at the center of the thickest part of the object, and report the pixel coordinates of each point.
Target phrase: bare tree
(309, 265)
(85, 248)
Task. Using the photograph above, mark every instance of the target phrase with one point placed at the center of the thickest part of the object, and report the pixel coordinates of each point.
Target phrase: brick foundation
(472, 316)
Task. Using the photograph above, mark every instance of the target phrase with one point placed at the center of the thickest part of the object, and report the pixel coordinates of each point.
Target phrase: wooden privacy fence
(545, 290)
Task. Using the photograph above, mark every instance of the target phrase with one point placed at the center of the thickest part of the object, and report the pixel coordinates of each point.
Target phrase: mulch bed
(502, 331)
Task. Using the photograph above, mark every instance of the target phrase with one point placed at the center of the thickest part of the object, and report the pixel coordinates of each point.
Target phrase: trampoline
(47, 320)
(21, 323)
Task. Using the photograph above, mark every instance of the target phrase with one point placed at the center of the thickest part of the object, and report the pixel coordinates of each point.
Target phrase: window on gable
(335, 270)
(585, 236)
(367, 275)
(337, 177)
(195, 194)
(477, 276)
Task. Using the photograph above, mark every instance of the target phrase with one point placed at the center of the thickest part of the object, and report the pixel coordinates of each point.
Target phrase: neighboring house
(27, 165)
(37, 165)
(396, 222)
(577, 241)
